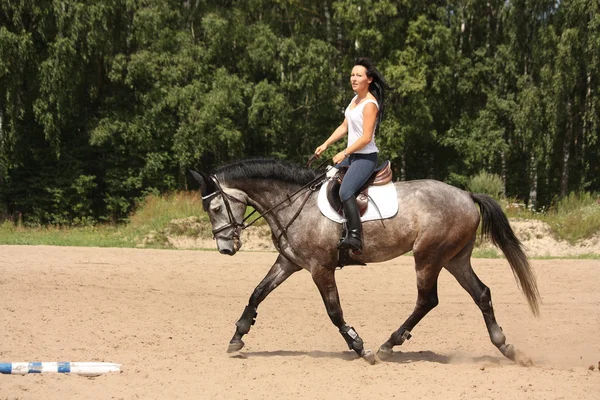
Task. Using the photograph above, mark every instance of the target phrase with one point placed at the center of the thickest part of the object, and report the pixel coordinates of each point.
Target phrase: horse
(437, 221)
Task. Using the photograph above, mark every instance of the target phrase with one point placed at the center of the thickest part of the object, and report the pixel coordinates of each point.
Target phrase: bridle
(238, 227)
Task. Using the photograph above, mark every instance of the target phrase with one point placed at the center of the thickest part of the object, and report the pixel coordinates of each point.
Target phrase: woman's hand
(320, 149)
(339, 157)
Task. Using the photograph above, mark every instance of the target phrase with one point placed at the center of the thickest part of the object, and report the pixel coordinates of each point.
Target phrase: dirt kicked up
(167, 317)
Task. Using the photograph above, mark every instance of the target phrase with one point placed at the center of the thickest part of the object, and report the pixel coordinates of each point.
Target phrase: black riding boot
(352, 240)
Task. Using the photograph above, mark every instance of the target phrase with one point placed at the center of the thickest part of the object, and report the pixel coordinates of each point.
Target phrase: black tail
(494, 224)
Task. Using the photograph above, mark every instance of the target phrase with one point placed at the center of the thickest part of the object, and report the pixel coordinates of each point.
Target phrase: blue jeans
(361, 166)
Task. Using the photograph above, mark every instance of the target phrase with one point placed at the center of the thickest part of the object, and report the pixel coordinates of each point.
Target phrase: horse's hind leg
(325, 280)
(279, 272)
(460, 268)
(427, 299)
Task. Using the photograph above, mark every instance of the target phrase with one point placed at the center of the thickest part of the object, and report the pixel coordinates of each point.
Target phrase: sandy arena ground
(167, 317)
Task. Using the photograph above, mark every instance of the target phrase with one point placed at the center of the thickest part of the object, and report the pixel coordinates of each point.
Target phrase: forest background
(105, 102)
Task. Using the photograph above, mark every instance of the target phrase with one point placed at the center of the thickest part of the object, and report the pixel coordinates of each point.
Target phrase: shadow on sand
(430, 356)
(346, 355)
(397, 357)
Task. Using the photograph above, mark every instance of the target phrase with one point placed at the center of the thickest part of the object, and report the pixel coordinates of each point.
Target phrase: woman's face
(359, 80)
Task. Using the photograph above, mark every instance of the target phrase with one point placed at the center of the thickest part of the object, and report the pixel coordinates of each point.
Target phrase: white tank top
(355, 126)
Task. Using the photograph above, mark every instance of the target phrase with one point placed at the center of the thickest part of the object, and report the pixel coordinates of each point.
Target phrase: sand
(167, 317)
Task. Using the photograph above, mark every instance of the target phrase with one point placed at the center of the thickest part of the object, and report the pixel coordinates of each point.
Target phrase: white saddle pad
(384, 196)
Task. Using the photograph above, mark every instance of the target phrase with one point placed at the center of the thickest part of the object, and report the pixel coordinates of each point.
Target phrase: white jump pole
(79, 368)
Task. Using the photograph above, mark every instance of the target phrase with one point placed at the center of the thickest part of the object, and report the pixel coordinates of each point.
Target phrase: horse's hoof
(523, 359)
(385, 353)
(235, 346)
(369, 357)
(509, 351)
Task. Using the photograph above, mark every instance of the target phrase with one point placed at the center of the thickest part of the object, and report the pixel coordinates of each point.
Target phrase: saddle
(381, 176)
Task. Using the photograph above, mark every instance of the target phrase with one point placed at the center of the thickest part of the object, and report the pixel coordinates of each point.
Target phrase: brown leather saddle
(381, 176)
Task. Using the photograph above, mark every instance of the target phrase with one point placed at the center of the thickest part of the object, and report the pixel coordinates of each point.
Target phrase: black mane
(261, 168)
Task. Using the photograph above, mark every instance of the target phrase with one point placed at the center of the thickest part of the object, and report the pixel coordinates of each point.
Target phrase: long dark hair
(377, 87)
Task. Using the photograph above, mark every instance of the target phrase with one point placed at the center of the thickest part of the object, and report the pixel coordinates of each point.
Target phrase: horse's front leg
(279, 272)
(325, 280)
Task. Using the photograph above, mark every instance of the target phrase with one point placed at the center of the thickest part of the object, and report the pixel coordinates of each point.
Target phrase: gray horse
(438, 222)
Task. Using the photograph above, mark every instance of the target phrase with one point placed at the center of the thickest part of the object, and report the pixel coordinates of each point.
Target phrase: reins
(312, 159)
(310, 186)
(316, 182)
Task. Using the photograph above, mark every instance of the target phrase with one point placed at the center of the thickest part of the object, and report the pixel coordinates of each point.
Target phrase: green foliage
(458, 180)
(154, 213)
(155, 218)
(486, 183)
(515, 209)
(487, 252)
(159, 218)
(575, 217)
(259, 222)
(104, 103)
(97, 236)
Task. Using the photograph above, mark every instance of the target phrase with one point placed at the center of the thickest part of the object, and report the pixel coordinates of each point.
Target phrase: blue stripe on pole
(64, 367)
(81, 368)
(5, 368)
(34, 368)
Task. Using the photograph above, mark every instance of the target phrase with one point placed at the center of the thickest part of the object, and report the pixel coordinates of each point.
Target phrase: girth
(381, 176)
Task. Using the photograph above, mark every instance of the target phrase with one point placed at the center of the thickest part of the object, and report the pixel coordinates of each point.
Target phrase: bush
(486, 183)
(575, 217)
(156, 212)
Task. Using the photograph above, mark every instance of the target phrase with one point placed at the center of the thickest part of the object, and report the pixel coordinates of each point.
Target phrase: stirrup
(351, 240)
(344, 259)
(350, 243)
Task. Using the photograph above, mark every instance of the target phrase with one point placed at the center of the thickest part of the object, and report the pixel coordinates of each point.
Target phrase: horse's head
(225, 208)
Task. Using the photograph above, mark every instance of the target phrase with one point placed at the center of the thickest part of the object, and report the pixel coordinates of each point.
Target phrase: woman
(361, 122)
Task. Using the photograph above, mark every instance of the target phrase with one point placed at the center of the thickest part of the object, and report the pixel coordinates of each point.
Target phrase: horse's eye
(217, 209)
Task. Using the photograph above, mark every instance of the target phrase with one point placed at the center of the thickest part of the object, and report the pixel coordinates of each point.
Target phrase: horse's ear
(197, 176)
(207, 186)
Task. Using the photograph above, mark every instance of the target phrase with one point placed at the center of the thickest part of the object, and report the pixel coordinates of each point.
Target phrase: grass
(570, 257)
(485, 253)
(152, 217)
(153, 221)
(574, 218)
(97, 236)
